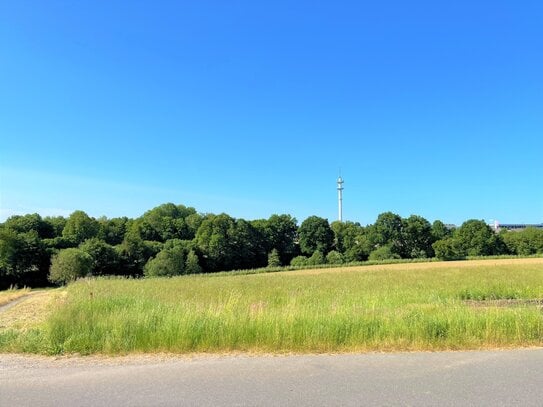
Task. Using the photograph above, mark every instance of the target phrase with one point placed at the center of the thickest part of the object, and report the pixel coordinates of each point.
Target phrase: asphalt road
(496, 378)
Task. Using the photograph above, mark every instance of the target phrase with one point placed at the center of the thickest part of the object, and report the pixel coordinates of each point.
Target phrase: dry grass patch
(12, 294)
(460, 264)
(31, 311)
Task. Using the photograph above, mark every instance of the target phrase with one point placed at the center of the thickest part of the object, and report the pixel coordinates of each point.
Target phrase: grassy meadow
(419, 306)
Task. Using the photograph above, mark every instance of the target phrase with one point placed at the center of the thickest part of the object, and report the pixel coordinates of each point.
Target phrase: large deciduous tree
(80, 227)
(315, 234)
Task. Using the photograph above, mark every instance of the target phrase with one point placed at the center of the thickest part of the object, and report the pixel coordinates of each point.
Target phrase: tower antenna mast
(340, 198)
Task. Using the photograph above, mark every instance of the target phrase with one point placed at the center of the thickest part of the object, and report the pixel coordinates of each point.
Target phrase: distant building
(517, 226)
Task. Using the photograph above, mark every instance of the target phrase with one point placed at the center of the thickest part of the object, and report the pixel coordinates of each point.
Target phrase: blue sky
(251, 108)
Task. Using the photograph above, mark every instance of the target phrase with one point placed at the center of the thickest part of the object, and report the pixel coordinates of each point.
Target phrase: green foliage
(112, 231)
(417, 237)
(134, 252)
(387, 229)
(166, 222)
(299, 261)
(334, 257)
(29, 223)
(80, 227)
(476, 238)
(105, 259)
(70, 264)
(23, 259)
(273, 259)
(315, 234)
(448, 249)
(524, 242)
(168, 262)
(57, 224)
(213, 241)
(280, 233)
(316, 258)
(192, 264)
(383, 253)
(440, 231)
(351, 241)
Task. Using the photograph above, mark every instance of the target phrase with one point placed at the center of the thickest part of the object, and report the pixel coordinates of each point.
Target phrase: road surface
(488, 378)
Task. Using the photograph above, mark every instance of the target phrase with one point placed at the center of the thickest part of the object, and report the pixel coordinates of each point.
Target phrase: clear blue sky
(251, 107)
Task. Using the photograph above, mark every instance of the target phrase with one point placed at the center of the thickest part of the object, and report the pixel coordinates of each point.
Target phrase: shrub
(448, 249)
(383, 253)
(298, 261)
(316, 258)
(69, 264)
(334, 257)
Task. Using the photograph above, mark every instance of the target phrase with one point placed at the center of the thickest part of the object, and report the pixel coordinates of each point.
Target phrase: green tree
(440, 231)
(165, 222)
(24, 260)
(192, 264)
(247, 246)
(448, 249)
(134, 252)
(29, 223)
(213, 241)
(112, 231)
(57, 224)
(168, 262)
(387, 230)
(476, 238)
(315, 234)
(70, 264)
(273, 259)
(80, 227)
(105, 259)
(281, 233)
(417, 237)
(525, 242)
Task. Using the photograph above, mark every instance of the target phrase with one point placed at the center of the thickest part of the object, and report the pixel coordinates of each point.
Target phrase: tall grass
(339, 311)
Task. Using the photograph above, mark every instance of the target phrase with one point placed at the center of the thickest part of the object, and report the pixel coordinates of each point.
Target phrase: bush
(316, 258)
(448, 249)
(68, 265)
(334, 258)
(298, 261)
(383, 253)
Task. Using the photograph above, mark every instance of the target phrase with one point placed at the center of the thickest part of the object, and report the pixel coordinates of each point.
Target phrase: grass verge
(12, 294)
(380, 308)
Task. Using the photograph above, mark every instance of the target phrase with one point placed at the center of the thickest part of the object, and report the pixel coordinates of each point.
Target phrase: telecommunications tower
(340, 198)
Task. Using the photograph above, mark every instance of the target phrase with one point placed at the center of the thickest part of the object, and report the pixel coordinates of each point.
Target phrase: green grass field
(432, 306)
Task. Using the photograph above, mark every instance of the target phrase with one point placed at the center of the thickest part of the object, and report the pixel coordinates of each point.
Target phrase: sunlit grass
(12, 294)
(345, 310)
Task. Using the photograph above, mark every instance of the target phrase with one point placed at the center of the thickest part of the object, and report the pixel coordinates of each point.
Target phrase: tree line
(174, 239)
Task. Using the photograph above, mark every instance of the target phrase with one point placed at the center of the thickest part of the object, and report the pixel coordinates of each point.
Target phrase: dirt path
(26, 310)
(18, 300)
